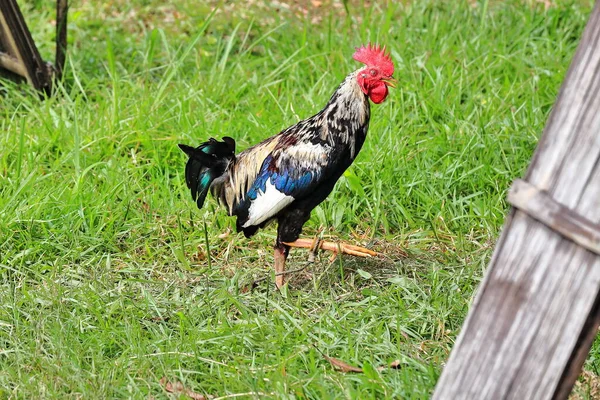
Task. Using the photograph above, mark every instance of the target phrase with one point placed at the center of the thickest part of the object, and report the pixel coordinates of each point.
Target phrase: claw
(314, 249)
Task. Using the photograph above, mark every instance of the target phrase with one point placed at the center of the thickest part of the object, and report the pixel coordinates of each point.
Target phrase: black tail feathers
(206, 163)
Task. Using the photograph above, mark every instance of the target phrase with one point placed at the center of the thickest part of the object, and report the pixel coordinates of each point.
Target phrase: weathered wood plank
(536, 311)
(542, 207)
(12, 64)
(567, 152)
(580, 353)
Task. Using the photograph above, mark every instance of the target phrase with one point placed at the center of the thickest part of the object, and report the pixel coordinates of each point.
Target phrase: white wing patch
(266, 205)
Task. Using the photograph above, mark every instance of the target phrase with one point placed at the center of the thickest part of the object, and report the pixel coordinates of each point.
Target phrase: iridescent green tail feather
(206, 163)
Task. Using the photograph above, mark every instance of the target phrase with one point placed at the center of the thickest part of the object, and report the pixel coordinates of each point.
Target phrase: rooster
(286, 176)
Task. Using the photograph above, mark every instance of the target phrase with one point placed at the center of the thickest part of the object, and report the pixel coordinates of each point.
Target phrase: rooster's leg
(281, 252)
(343, 248)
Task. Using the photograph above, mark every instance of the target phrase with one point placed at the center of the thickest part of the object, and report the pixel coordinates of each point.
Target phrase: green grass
(106, 285)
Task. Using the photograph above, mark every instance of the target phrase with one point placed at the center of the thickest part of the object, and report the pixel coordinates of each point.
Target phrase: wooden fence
(537, 310)
(19, 57)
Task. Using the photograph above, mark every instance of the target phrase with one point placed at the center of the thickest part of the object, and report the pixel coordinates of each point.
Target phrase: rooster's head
(375, 78)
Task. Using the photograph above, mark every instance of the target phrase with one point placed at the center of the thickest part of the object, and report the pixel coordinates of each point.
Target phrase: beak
(390, 81)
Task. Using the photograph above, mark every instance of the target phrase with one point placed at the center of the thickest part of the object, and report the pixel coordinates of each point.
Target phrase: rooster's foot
(315, 244)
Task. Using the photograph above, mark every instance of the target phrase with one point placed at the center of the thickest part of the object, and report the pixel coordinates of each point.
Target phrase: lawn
(114, 285)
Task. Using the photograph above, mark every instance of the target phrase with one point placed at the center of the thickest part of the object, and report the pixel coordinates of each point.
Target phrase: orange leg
(282, 250)
(343, 248)
(281, 253)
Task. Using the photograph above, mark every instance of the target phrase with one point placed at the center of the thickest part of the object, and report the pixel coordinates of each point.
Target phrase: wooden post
(19, 58)
(538, 308)
(62, 8)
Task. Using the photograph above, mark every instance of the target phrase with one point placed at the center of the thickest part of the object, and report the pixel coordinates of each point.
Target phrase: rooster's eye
(373, 72)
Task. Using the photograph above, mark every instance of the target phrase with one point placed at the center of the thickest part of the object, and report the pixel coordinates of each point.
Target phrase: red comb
(375, 56)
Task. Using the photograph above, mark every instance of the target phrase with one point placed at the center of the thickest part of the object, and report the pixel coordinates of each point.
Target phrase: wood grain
(539, 205)
(536, 311)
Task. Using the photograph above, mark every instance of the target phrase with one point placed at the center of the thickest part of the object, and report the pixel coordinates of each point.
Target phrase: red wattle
(378, 92)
